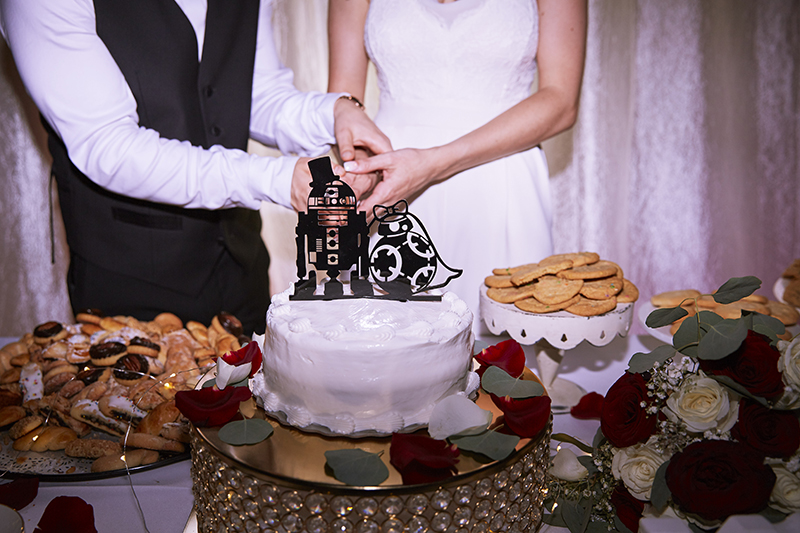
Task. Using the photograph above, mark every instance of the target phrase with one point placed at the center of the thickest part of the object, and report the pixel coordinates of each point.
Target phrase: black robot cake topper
(333, 237)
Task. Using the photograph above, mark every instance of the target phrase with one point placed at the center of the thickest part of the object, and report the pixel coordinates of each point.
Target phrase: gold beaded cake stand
(280, 484)
(560, 331)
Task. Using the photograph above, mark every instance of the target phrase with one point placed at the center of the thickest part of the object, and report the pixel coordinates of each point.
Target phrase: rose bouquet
(703, 429)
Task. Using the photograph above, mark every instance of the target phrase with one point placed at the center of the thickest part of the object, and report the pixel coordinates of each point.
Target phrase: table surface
(165, 497)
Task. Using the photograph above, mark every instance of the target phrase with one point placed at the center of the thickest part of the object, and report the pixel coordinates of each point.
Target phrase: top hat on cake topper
(333, 236)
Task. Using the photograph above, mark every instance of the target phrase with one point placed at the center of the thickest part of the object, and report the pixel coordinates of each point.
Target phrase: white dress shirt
(82, 93)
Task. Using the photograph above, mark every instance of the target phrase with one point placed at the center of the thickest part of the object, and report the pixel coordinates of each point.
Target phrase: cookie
(600, 269)
(552, 290)
(92, 448)
(23, 426)
(53, 438)
(511, 294)
(603, 288)
(527, 275)
(499, 282)
(11, 414)
(532, 305)
(587, 307)
(152, 442)
(511, 270)
(706, 301)
(791, 295)
(629, 293)
(133, 458)
(578, 259)
(793, 270)
(673, 298)
(787, 314)
(734, 310)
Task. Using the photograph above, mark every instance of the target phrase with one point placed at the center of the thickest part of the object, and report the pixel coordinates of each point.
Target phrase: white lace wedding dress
(444, 70)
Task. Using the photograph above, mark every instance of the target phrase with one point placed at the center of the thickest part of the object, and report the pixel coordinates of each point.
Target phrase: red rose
(771, 432)
(67, 514)
(507, 355)
(717, 478)
(525, 417)
(623, 420)
(589, 407)
(211, 407)
(629, 509)
(754, 365)
(421, 459)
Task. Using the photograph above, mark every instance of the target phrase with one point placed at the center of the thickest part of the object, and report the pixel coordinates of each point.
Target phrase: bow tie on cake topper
(333, 237)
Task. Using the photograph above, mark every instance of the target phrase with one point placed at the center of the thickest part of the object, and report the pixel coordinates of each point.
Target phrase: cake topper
(333, 236)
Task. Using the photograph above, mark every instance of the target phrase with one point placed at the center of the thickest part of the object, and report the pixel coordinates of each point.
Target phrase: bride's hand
(406, 173)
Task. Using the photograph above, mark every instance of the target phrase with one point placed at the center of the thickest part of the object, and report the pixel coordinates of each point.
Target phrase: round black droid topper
(404, 259)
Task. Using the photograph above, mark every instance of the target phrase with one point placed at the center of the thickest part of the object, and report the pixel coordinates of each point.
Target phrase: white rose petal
(636, 466)
(702, 404)
(785, 495)
(457, 414)
(567, 467)
(227, 374)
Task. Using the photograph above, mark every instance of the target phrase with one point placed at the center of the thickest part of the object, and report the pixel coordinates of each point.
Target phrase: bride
(455, 80)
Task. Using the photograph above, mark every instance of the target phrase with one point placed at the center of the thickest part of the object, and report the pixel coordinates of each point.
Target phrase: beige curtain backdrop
(683, 166)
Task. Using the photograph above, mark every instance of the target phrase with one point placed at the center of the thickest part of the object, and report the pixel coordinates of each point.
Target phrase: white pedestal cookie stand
(562, 331)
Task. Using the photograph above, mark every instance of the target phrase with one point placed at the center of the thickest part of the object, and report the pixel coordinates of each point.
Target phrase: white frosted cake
(359, 365)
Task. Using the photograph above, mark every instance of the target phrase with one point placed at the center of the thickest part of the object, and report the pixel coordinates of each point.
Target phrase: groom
(149, 106)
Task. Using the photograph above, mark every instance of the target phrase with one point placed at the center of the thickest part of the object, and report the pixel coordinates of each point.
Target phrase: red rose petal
(589, 407)
(421, 459)
(525, 417)
(629, 509)
(67, 514)
(507, 355)
(19, 493)
(211, 407)
(250, 353)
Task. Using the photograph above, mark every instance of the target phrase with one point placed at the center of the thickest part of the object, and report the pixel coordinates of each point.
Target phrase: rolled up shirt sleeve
(83, 95)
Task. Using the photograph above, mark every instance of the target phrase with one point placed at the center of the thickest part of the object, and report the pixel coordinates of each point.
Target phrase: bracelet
(353, 99)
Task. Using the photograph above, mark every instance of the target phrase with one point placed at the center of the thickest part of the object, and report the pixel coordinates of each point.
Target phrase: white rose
(567, 467)
(702, 404)
(789, 366)
(785, 495)
(636, 466)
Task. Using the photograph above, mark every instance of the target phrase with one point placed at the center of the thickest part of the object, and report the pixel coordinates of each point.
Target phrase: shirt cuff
(271, 179)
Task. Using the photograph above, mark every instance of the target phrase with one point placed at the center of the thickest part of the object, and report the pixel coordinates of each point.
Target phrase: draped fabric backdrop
(683, 166)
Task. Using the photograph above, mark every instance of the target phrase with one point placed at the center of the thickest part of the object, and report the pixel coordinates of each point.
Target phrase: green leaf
(588, 463)
(247, 431)
(735, 289)
(598, 526)
(357, 467)
(762, 323)
(599, 439)
(773, 515)
(722, 339)
(563, 437)
(665, 316)
(660, 493)
(210, 383)
(687, 337)
(576, 515)
(497, 381)
(622, 528)
(492, 444)
(643, 362)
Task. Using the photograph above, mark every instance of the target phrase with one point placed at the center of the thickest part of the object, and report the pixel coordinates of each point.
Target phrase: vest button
(209, 91)
(215, 131)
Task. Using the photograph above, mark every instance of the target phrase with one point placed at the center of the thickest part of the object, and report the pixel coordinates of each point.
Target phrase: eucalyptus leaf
(644, 362)
(210, 383)
(722, 339)
(735, 289)
(773, 515)
(665, 316)
(554, 519)
(497, 381)
(576, 515)
(247, 431)
(622, 528)
(563, 437)
(687, 337)
(588, 463)
(492, 444)
(660, 493)
(768, 322)
(356, 467)
(598, 526)
(599, 439)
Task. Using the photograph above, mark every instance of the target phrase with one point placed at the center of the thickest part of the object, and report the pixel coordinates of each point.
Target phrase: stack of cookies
(693, 301)
(791, 294)
(579, 283)
(81, 387)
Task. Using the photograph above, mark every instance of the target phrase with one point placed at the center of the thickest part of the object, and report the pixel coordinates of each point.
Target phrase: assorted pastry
(579, 283)
(791, 293)
(107, 384)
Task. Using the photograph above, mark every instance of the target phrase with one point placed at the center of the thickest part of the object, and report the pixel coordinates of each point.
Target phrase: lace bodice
(484, 54)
